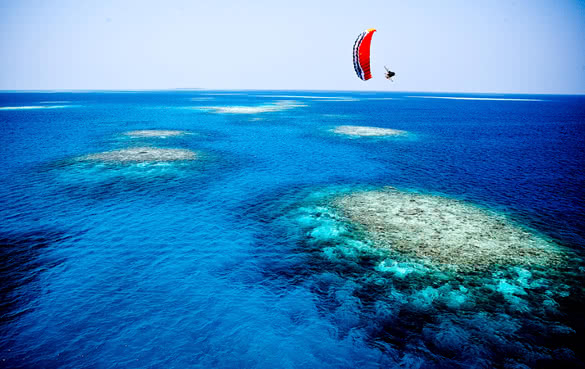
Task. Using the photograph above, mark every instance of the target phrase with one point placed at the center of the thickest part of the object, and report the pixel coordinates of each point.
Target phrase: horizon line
(187, 89)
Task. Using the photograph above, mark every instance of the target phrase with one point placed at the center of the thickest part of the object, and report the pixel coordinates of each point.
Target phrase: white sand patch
(367, 131)
(474, 98)
(142, 155)
(447, 233)
(155, 133)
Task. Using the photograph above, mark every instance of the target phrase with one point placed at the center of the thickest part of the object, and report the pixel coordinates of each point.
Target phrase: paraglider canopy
(361, 56)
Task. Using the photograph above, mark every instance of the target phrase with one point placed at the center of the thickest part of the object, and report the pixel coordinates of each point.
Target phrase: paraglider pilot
(389, 74)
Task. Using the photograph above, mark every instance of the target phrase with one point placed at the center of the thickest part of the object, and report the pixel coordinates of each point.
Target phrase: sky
(497, 46)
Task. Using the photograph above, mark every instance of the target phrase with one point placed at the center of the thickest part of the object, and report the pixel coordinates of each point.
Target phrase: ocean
(244, 229)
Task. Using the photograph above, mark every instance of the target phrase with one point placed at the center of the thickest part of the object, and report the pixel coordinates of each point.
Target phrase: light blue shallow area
(207, 263)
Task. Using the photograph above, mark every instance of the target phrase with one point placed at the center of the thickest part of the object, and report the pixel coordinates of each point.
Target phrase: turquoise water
(237, 259)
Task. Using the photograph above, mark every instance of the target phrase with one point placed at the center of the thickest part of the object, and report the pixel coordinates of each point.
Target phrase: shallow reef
(431, 279)
(444, 232)
(155, 133)
(267, 108)
(141, 155)
(367, 131)
(31, 107)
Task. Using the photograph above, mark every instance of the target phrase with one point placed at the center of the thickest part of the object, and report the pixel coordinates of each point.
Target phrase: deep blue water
(202, 264)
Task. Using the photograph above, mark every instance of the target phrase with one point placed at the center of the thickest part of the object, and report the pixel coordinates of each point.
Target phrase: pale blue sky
(531, 46)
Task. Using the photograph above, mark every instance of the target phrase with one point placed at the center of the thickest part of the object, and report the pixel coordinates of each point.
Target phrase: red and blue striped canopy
(361, 54)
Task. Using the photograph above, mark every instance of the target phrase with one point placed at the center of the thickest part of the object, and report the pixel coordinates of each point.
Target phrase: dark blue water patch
(25, 259)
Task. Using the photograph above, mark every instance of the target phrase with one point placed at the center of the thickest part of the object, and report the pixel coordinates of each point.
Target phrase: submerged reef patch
(437, 280)
(155, 133)
(444, 232)
(33, 107)
(141, 155)
(314, 97)
(364, 131)
(267, 108)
